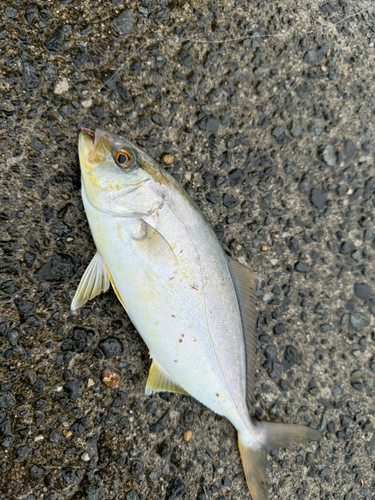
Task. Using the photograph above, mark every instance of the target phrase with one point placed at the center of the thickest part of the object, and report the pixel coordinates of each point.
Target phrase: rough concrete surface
(273, 137)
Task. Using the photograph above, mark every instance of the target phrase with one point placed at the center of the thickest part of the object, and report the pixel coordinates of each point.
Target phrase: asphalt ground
(272, 134)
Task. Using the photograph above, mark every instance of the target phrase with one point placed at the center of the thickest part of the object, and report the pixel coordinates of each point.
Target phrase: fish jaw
(85, 146)
(93, 150)
(89, 157)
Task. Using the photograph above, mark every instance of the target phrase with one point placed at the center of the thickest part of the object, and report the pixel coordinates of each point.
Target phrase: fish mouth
(93, 147)
(91, 133)
(86, 143)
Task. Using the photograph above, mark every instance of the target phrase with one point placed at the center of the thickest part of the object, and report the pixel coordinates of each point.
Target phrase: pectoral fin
(94, 281)
(159, 381)
(246, 283)
(152, 245)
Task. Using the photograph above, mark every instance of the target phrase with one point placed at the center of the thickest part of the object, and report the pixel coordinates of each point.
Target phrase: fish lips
(93, 147)
(85, 142)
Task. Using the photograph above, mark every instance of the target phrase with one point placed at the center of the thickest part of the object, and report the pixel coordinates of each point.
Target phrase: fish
(193, 305)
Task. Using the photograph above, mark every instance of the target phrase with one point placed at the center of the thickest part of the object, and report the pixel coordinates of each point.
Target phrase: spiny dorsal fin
(153, 246)
(159, 381)
(246, 283)
(94, 281)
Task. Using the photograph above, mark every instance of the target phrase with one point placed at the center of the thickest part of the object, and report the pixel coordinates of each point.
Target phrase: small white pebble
(39, 438)
(62, 86)
(85, 456)
(188, 176)
(87, 103)
(266, 297)
(59, 388)
(274, 262)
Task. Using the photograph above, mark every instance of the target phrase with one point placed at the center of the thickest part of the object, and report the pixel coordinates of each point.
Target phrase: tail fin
(268, 436)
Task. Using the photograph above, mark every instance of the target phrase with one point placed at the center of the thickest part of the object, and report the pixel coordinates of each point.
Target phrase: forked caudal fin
(268, 436)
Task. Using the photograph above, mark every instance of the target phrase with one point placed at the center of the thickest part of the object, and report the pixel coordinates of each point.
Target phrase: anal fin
(159, 381)
(94, 281)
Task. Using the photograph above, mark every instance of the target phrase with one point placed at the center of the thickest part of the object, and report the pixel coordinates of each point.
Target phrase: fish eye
(122, 158)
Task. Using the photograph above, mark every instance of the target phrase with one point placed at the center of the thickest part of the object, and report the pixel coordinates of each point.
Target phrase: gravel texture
(273, 137)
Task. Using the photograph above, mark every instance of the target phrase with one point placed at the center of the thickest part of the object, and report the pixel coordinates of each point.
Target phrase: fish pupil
(122, 159)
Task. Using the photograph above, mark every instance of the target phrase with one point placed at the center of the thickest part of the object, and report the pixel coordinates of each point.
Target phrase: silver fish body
(186, 298)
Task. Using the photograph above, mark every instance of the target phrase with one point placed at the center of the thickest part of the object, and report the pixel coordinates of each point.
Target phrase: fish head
(118, 178)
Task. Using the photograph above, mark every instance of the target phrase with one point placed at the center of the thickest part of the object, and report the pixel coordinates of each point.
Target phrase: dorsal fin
(94, 281)
(246, 284)
(159, 381)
